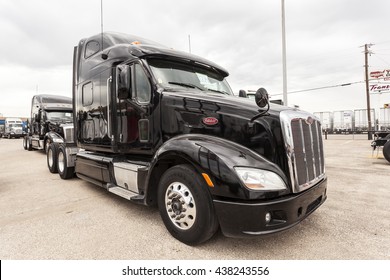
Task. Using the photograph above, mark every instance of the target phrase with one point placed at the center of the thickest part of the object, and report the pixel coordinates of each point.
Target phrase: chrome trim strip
(122, 192)
(109, 80)
(312, 148)
(304, 151)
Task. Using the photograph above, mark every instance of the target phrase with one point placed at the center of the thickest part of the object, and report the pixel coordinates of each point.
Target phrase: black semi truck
(162, 127)
(50, 121)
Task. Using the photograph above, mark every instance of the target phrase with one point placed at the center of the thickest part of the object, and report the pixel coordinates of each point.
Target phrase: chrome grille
(68, 133)
(303, 142)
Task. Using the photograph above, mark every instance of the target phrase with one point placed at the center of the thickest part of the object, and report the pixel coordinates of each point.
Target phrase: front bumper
(248, 218)
(17, 135)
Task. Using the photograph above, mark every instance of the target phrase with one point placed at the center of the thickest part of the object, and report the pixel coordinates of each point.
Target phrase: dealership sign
(380, 81)
(379, 88)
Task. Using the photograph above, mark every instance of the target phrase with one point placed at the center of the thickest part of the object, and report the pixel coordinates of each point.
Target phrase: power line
(380, 58)
(323, 87)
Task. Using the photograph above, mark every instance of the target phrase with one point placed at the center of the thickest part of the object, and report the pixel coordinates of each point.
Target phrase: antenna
(101, 21)
(104, 56)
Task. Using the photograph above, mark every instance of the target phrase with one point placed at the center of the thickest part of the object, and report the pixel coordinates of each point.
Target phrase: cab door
(93, 109)
(133, 113)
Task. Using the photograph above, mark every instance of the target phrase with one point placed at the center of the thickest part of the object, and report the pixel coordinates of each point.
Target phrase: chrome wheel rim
(180, 205)
(50, 157)
(61, 162)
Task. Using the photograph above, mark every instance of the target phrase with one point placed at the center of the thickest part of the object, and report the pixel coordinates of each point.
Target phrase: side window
(87, 94)
(142, 85)
(91, 48)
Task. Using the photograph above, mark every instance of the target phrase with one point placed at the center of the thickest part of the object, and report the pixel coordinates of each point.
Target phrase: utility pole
(366, 52)
(284, 57)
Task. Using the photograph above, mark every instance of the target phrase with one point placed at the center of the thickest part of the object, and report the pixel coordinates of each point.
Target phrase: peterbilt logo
(210, 121)
(309, 121)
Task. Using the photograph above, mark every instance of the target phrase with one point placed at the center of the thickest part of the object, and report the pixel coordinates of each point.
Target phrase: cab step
(122, 192)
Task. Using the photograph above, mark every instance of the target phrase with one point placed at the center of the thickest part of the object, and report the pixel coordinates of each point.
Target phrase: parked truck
(162, 128)
(51, 120)
(13, 128)
(2, 124)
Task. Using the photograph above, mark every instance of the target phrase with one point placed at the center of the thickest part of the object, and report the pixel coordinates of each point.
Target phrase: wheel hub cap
(180, 205)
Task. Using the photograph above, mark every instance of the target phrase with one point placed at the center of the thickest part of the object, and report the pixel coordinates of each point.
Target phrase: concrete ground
(44, 217)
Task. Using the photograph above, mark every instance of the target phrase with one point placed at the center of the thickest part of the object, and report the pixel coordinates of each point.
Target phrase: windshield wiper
(218, 91)
(186, 85)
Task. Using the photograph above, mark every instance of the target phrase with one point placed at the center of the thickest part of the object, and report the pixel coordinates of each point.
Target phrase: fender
(54, 137)
(217, 157)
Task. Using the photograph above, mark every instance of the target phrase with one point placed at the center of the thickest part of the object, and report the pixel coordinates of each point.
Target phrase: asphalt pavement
(44, 217)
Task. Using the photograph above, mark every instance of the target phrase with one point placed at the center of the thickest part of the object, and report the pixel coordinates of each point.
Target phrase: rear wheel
(386, 150)
(29, 144)
(52, 157)
(185, 205)
(64, 170)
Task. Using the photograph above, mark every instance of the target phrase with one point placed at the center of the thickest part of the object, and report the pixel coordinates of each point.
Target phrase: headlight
(58, 140)
(258, 179)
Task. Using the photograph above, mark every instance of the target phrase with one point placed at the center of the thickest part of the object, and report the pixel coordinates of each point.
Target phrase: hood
(227, 117)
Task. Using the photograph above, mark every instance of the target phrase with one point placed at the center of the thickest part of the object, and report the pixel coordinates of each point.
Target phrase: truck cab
(13, 128)
(51, 120)
(162, 127)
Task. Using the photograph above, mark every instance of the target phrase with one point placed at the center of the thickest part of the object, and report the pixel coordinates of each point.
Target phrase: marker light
(267, 217)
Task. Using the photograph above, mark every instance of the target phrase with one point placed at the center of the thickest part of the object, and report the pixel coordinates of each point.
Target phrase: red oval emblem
(210, 121)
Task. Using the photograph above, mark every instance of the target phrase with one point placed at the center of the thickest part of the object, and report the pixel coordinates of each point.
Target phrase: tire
(46, 145)
(29, 144)
(64, 170)
(52, 157)
(25, 143)
(386, 150)
(185, 205)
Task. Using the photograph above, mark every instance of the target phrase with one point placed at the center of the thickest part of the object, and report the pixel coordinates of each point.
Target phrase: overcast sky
(324, 39)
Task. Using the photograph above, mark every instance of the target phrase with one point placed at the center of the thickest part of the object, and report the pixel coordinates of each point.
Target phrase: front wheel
(52, 157)
(386, 150)
(185, 205)
(65, 171)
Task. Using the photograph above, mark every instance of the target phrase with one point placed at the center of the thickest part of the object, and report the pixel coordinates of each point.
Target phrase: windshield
(16, 125)
(64, 116)
(175, 74)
